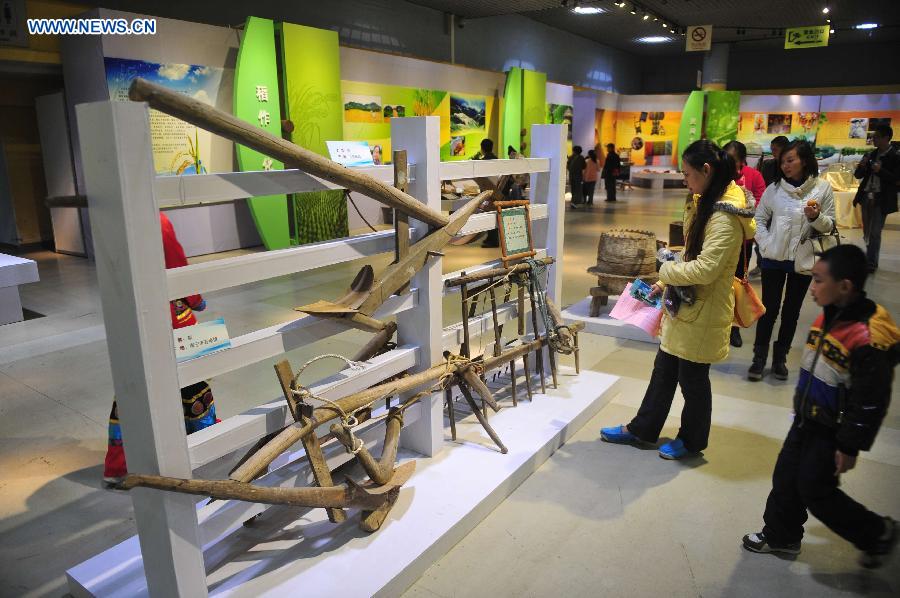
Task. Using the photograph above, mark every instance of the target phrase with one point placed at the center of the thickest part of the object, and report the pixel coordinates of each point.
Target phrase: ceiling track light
(826, 10)
(646, 16)
(633, 9)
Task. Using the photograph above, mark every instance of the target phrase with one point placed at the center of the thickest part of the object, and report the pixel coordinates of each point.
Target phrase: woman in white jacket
(796, 205)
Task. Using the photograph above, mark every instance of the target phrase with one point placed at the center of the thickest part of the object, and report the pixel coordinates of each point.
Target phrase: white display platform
(445, 499)
(14, 271)
(604, 325)
(655, 180)
(847, 215)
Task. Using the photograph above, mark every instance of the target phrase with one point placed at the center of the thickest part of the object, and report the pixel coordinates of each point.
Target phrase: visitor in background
(611, 169)
(842, 396)
(716, 219)
(196, 399)
(576, 167)
(770, 168)
(798, 202)
(487, 151)
(747, 178)
(877, 194)
(511, 152)
(591, 168)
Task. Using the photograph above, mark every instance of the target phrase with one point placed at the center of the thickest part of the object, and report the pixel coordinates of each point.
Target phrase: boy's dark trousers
(804, 480)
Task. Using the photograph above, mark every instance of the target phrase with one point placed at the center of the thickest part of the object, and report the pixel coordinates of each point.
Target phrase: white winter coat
(780, 218)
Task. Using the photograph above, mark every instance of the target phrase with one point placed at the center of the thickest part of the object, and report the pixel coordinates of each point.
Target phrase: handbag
(747, 306)
(812, 244)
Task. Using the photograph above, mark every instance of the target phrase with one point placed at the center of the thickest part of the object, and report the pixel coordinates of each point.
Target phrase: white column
(421, 138)
(549, 141)
(118, 176)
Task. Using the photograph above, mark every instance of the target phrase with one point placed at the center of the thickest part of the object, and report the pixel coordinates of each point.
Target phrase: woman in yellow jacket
(717, 221)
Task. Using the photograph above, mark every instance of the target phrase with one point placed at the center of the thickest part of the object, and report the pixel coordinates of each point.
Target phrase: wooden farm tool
(230, 127)
(257, 463)
(349, 495)
(367, 294)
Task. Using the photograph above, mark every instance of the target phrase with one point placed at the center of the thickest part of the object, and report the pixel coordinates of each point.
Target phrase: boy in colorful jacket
(841, 398)
(196, 399)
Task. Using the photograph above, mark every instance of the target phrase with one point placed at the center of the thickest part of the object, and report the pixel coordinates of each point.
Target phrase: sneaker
(618, 435)
(878, 554)
(758, 543)
(736, 340)
(755, 273)
(674, 450)
(779, 370)
(755, 373)
(112, 483)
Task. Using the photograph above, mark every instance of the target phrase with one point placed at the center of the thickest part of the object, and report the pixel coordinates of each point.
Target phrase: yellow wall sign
(806, 37)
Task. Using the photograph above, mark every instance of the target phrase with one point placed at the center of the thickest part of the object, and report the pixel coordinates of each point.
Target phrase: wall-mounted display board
(691, 127)
(722, 116)
(524, 105)
(257, 100)
(178, 147)
(651, 136)
(369, 107)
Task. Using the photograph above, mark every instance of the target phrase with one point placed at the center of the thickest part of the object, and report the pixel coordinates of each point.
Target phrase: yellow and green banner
(691, 128)
(723, 113)
(257, 100)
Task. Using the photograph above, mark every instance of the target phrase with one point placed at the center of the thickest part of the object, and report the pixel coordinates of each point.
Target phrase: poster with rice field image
(178, 147)
(369, 107)
(362, 109)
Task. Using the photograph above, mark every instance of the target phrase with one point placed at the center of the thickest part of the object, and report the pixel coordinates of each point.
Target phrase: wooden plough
(355, 308)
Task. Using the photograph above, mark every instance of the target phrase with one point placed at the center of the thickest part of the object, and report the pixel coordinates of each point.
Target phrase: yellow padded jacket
(700, 332)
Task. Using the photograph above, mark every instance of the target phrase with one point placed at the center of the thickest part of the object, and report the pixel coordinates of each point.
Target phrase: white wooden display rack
(174, 535)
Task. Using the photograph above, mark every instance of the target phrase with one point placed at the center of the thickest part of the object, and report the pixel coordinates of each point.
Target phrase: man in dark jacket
(877, 194)
(576, 167)
(842, 396)
(611, 169)
(770, 168)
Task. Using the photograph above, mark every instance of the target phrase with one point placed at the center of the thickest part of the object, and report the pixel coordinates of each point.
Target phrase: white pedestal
(604, 325)
(445, 499)
(14, 271)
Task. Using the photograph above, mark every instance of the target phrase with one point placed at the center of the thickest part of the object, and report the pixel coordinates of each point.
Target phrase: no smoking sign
(699, 38)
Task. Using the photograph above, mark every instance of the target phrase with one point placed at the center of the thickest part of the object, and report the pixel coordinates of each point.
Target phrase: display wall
(333, 92)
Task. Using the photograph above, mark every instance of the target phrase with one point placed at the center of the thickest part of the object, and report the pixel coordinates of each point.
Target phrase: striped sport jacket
(847, 370)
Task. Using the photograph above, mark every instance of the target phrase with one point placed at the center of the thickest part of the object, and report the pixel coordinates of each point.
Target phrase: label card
(350, 153)
(201, 339)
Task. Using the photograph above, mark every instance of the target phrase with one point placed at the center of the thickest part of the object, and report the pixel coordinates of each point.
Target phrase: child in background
(196, 399)
(841, 398)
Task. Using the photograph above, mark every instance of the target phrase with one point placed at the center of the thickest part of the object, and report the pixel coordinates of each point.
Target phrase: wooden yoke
(311, 444)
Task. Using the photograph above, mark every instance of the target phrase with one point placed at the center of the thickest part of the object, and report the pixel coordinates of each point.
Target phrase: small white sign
(201, 339)
(698, 38)
(350, 153)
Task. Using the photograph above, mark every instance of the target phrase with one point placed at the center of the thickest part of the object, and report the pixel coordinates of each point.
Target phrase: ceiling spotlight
(826, 10)
(633, 9)
(646, 16)
(665, 26)
(827, 20)
(866, 26)
(655, 18)
(831, 31)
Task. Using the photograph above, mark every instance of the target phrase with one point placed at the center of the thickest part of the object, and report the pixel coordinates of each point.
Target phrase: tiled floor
(597, 519)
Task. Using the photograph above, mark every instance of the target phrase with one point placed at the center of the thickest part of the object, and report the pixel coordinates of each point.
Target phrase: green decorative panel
(311, 61)
(321, 215)
(534, 102)
(257, 100)
(511, 125)
(723, 113)
(691, 122)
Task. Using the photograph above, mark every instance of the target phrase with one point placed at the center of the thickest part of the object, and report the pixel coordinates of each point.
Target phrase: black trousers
(873, 224)
(804, 480)
(775, 285)
(609, 182)
(577, 187)
(668, 372)
(588, 190)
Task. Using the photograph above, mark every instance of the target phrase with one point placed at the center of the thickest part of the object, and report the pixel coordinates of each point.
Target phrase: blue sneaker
(673, 450)
(618, 435)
